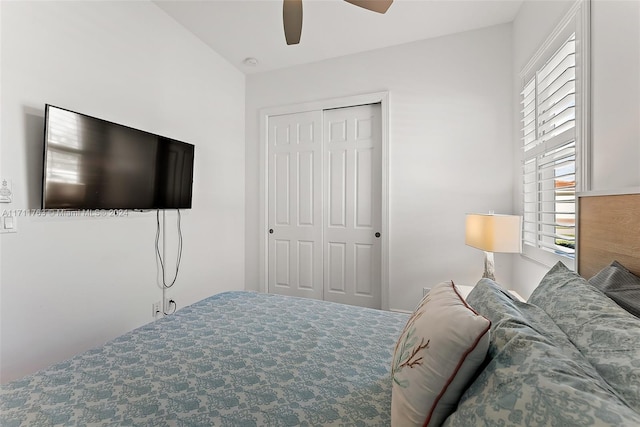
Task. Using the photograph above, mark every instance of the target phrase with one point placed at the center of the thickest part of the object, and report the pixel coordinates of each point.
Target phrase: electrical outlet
(156, 309)
(167, 305)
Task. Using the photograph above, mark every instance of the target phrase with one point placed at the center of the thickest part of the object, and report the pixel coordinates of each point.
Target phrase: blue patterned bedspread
(234, 359)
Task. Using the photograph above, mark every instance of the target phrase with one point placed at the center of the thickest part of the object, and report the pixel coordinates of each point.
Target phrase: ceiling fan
(292, 15)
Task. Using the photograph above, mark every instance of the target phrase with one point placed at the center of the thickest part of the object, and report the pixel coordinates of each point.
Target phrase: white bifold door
(324, 205)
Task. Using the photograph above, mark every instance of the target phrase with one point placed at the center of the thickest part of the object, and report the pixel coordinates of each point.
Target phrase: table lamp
(493, 233)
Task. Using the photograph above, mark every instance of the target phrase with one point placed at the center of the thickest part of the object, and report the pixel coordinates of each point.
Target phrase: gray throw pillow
(620, 285)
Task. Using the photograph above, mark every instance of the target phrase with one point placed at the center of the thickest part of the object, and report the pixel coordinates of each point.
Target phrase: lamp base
(489, 266)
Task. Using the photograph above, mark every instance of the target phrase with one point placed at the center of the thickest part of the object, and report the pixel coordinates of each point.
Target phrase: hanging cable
(179, 255)
(166, 286)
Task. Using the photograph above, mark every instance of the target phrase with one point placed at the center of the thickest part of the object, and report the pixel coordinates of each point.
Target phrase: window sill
(546, 258)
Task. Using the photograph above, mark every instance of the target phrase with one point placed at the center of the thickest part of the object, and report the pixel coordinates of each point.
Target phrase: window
(554, 137)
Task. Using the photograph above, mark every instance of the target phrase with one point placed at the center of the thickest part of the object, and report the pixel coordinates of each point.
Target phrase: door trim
(327, 104)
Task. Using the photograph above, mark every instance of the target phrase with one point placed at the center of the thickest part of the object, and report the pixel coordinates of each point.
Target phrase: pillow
(437, 355)
(535, 376)
(606, 334)
(620, 285)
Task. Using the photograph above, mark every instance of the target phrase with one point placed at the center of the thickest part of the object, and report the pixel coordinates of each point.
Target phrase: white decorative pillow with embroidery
(439, 351)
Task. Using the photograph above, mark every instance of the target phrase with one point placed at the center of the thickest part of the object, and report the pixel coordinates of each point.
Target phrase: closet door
(324, 202)
(295, 204)
(353, 205)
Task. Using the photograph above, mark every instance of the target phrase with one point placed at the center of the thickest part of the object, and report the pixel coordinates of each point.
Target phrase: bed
(234, 359)
(567, 357)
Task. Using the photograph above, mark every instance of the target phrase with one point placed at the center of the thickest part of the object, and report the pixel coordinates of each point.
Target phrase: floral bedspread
(234, 359)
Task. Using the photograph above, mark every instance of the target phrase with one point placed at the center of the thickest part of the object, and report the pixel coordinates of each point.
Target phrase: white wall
(450, 147)
(68, 284)
(615, 83)
(615, 45)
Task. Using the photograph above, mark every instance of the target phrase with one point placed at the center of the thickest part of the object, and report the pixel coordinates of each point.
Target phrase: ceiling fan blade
(380, 6)
(292, 20)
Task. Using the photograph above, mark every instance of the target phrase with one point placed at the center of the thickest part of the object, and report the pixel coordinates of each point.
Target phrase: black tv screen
(91, 163)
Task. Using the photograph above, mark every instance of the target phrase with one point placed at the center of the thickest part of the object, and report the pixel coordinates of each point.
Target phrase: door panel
(337, 190)
(295, 204)
(281, 259)
(306, 193)
(353, 205)
(305, 265)
(364, 188)
(336, 280)
(281, 190)
(364, 269)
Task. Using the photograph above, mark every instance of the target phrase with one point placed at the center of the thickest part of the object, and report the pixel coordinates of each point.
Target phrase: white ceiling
(238, 29)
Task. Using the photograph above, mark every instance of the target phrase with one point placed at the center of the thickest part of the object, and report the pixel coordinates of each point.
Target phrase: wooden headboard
(608, 230)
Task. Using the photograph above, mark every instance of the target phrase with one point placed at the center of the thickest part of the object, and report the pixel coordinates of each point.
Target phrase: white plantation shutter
(549, 152)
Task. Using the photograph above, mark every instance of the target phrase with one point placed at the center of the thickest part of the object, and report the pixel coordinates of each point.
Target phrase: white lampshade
(494, 233)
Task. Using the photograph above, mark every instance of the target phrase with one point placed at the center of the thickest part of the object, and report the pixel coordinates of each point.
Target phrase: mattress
(234, 359)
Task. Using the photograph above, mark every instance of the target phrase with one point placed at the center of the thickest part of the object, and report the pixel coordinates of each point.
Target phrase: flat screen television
(90, 163)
